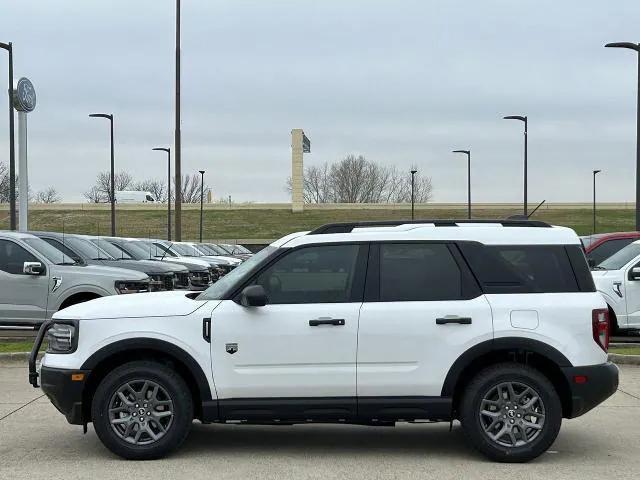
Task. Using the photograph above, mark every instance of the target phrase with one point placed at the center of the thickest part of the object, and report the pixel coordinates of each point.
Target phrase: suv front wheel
(511, 412)
(142, 410)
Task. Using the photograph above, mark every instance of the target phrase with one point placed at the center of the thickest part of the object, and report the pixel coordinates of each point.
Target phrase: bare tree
(157, 188)
(94, 195)
(4, 183)
(100, 192)
(191, 188)
(354, 179)
(48, 195)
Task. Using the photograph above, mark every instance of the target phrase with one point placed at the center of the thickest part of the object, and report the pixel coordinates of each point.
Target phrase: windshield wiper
(598, 267)
(67, 263)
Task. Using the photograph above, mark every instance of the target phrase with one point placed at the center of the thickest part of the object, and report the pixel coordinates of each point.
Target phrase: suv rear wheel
(511, 412)
(142, 410)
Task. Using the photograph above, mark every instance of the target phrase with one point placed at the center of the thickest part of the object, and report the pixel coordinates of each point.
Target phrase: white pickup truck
(618, 280)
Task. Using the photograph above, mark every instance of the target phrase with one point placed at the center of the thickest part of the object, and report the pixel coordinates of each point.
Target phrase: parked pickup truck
(37, 280)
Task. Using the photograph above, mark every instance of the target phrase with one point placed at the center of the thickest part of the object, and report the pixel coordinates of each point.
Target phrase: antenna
(535, 209)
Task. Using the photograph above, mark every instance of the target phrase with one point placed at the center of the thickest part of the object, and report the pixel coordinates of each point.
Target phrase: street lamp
(201, 200)
(636, 48)
(12, 148)
(595, 172)
(109, 117)
(468, 154)
(522, 119)
(413, 172)
(168, 150)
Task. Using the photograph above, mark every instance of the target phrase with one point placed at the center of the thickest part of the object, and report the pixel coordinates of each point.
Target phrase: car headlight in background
(62, 338)
(131, 286)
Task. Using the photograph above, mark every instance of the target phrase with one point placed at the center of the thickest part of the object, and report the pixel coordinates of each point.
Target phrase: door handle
(453, 319)
(206, 329)
(326, 321)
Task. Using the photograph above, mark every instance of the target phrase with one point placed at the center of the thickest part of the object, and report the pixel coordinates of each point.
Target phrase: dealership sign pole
(24, 101)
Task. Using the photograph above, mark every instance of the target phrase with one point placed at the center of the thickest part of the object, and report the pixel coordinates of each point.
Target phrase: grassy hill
(232, 224)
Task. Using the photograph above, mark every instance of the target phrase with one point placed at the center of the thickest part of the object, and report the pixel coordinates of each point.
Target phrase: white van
(132, 196)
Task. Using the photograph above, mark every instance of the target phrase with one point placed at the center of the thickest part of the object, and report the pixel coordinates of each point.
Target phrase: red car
(601, 246)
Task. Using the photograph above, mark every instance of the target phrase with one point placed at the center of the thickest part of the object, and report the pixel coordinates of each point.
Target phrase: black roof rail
(347, 227)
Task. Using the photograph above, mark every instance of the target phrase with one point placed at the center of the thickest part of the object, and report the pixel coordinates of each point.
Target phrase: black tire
(173, 391)
(492, 380)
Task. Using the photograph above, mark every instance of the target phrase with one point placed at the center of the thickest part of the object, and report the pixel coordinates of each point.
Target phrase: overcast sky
(401, 82)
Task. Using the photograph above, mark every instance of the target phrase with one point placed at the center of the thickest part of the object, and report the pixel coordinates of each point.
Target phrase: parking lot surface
(36, 442)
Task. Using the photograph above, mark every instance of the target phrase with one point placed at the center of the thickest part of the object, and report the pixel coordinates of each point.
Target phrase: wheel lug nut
(512, 421)
(148, 413)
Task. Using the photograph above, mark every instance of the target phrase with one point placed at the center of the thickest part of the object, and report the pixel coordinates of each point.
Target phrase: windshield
(620, 258)
(186, 250)
(86, 249)
(231, 280)
(49, 251)
(111, 249)
(217, 249)
(158, 249)
(136, 249)
(240, 249)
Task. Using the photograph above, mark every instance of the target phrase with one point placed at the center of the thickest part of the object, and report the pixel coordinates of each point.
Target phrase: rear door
(23, 298)
(422, 310)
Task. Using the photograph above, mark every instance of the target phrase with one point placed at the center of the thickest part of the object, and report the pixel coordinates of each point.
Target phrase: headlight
(62, 338)
(131, 286)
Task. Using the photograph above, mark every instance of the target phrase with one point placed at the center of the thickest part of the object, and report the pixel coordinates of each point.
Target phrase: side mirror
(32, 268)
(634, 273)
(591, 262)
(253, 296)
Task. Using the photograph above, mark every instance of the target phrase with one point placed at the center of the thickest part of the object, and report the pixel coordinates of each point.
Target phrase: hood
(600, 273)
(140, 266)
(223, 260)
(157, 304)
(92, 271)
(191, 263)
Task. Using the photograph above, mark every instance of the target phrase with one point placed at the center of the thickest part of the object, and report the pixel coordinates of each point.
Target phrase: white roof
(486, 233)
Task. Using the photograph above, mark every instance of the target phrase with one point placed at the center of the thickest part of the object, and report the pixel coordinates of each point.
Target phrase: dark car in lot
(82, 250)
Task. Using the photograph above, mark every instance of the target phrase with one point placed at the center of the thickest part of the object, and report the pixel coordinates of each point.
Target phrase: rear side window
(521, 268)
(418, 272)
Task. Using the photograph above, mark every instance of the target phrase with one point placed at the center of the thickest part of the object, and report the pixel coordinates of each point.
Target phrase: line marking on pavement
(620, 390)
(21, 407)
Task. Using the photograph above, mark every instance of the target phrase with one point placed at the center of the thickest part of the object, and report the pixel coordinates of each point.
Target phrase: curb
(17, 356)
(624, 359)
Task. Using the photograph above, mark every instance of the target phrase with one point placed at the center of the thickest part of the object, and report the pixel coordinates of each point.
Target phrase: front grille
(181, 280)
(168, 281)
(160, 282)
(200, 279)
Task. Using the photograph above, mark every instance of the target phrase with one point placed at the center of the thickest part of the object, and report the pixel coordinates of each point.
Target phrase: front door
(421, 312)
(295, 356)
(632, 296)
(23, 298)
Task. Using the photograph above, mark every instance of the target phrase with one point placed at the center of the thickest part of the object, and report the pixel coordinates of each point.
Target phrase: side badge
(231, 348)
(57, 281)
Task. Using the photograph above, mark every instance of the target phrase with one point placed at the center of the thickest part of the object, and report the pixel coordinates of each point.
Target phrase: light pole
(413, 172)
(12, 146)
(525, 120)
(112, 192)
(201, 200)
(168, 150)
(177, 141)
(636, 48)
(468, 154)
(595, 172)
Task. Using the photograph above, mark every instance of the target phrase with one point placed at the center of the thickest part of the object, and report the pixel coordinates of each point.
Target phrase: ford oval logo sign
(25, 96)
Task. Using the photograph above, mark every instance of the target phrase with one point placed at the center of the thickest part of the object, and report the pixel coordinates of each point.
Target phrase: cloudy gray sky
(402, 82)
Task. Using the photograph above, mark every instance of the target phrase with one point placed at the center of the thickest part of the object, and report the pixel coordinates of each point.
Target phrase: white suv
(617, 278)
(494, 323)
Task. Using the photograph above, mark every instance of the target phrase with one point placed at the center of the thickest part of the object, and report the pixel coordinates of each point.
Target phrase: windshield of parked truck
(49, 251)
(620, 258)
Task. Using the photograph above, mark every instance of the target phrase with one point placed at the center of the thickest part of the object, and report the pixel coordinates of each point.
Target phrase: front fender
(60, 296)
(618, 305)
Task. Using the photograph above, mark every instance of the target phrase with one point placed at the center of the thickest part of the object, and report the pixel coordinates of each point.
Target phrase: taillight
(600, 323)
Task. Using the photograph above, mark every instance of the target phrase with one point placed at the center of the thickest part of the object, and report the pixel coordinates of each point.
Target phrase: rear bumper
(601, 382)
(64, 392)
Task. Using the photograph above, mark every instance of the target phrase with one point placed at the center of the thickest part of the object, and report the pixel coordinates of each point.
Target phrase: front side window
(321, 274)
(13, 256)
(606, 249)
(418, 272)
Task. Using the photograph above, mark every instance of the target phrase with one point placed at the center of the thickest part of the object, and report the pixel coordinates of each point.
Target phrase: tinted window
(608, 248)
(521, 268)
(420, 272)
(323, 274)
(621, 257)
(13, 256)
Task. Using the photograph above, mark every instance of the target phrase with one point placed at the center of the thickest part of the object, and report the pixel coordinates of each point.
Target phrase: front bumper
(590, 386)
(65, 389)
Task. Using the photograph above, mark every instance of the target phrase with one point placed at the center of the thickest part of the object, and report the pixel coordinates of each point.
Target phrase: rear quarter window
(522, 268)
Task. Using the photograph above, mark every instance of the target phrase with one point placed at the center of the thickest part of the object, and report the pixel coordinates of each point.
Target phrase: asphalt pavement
(36, 442)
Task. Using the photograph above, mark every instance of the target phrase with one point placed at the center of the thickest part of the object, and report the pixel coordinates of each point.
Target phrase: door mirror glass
(36, 268)
(634, 273)
(253, 296)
